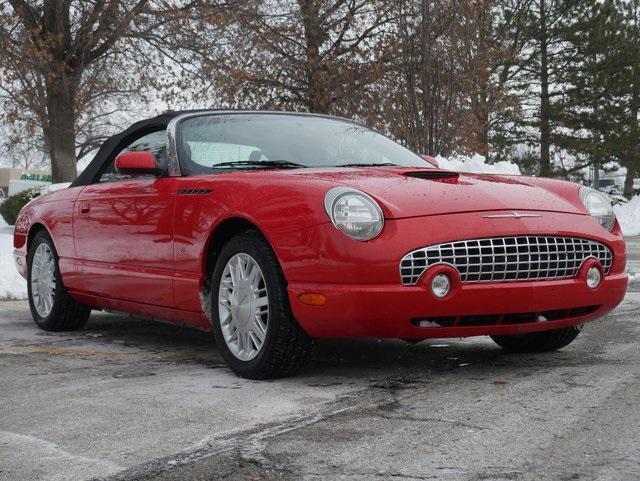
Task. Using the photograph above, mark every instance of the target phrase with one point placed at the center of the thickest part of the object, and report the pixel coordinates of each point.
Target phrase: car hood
(405, 192)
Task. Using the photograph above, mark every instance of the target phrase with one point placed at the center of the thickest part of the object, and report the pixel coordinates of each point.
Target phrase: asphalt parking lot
(131, 399)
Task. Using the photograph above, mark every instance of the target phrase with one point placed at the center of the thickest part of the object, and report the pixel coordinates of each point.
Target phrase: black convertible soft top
(117, 142)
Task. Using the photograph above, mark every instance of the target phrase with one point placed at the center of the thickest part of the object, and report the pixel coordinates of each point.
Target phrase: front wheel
(52, 308)
(252, 320)
(538, 341)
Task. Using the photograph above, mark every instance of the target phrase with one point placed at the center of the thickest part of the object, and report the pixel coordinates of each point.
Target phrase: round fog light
(593, 277)
(440, 285)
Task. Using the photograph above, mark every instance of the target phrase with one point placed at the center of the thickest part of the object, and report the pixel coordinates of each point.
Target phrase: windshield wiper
(283, 164)
(371, 164)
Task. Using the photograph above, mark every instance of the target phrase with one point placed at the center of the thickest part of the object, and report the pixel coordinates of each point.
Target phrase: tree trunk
(481, 112)
(413, 128)
(628, 182)
(319, 91)
(633, 165)
(596, 175)
(427, 79)
(60, 131)
(545, 110)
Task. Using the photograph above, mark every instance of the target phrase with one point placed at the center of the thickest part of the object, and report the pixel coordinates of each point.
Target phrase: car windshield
(214, 143)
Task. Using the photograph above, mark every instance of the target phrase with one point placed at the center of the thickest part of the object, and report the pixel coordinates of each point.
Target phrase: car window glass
(213, 143)
(211, 153)
(154, 142)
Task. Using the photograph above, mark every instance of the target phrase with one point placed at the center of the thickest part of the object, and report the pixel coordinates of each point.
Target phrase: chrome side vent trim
(194, 191)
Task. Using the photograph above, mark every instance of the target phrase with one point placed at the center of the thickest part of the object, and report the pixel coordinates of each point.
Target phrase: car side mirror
(138, 163)
(430, 159)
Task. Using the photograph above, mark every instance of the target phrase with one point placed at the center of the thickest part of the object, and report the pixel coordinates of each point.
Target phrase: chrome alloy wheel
(43, 280)
(243, 306)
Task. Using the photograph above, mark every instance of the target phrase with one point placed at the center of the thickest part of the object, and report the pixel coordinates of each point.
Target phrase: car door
(123, 232)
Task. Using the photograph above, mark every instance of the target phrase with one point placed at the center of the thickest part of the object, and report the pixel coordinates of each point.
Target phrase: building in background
(14, 180)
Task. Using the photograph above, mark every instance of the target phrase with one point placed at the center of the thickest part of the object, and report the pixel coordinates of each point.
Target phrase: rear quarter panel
(54, 211)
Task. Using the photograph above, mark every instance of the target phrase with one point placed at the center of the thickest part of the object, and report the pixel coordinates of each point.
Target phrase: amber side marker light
(312, 299)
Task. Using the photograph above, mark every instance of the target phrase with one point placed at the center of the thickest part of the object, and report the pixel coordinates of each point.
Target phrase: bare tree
(314, 55)
(496, 44)
(420, 78)
(21, 147)
(66, 65)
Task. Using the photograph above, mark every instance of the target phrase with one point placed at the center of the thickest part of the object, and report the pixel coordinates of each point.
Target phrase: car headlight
(598, 206)
(354, 213)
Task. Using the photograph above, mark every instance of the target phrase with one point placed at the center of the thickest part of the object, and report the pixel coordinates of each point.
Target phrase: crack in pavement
(251, 441)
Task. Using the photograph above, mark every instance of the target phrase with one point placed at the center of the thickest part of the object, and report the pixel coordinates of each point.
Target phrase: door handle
(84, 208)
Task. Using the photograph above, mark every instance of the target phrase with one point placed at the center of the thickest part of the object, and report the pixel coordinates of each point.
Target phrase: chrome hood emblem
(512, 215)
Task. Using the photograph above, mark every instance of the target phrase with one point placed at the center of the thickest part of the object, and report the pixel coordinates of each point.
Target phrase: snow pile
(477, 164)
(629, 216)
(12, 285)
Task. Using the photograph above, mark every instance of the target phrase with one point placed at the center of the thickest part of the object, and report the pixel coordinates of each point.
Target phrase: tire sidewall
(44, 322)
(276, 288)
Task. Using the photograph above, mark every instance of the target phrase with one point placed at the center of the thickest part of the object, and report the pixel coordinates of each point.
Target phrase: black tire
(538, 341)
(66, 314)
(286, 345)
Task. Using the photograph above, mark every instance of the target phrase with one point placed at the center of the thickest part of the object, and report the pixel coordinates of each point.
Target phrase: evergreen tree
(630, 86)
(542, 64)
(595, 110)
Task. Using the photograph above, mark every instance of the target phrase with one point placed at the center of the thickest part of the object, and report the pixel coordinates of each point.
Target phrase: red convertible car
(271, 229)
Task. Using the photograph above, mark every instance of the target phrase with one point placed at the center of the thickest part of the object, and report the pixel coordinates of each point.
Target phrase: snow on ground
(477, 164)
(12, 285)
(629, 216)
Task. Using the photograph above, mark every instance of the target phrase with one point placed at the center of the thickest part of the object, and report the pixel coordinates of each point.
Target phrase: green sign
(40, 177)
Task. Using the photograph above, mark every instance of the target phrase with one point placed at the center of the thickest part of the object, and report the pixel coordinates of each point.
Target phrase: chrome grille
(507, 259)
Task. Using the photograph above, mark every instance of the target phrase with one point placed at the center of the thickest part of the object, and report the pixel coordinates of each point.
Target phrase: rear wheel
(51, 306)
(252, 320)
(538, 341)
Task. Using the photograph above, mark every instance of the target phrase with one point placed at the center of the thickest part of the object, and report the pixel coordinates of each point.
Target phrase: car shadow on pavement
(335, 361)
